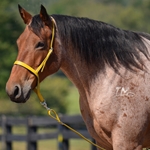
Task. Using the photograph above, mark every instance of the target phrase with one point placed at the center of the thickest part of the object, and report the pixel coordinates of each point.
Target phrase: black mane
(36, 25)
(99, 43)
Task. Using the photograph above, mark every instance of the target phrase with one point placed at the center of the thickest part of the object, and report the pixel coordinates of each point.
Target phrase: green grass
(52, 145)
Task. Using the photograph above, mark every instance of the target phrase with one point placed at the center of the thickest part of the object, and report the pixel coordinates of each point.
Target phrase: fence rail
(32, 124)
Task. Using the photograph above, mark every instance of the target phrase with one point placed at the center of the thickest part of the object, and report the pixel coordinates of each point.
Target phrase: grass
(52, 144)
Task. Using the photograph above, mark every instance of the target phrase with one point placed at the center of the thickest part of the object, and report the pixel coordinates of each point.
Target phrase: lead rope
(54, 115)
(50, 112)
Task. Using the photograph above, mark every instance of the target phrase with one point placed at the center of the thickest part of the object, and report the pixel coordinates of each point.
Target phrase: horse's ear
(25, 15)
(45, 17)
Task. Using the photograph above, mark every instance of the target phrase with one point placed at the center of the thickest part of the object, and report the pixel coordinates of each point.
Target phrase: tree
(9, 31)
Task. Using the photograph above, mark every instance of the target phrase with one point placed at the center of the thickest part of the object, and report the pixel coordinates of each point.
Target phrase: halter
(51, 112)
(41, 66)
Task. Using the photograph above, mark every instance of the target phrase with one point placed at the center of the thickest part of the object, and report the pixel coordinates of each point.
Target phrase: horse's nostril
(17, 91)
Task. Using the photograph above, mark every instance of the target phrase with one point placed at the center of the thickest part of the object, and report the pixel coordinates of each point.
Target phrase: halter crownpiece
(41, 66)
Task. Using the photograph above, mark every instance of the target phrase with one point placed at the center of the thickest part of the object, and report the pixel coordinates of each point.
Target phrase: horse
(109, 66)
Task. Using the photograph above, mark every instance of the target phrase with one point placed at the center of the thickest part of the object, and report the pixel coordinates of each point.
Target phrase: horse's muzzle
(17, 93)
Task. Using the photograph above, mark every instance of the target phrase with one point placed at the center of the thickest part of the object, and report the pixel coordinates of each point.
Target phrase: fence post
(3, 132)
(63, 144)
(8, 144)
(31, 145)
(6, 131)
(92, 146)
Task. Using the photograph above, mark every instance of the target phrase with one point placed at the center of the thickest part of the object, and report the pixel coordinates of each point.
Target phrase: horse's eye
(40, 45)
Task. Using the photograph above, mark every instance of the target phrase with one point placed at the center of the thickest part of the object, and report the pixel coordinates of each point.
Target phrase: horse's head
(33, 44)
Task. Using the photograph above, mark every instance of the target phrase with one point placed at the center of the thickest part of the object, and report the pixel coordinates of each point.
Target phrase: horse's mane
(99, 43)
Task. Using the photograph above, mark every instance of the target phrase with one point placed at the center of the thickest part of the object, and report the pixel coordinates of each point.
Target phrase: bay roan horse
(109, 66)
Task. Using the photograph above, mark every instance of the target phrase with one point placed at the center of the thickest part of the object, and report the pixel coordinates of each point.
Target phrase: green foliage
(126, 14)
(9, 31)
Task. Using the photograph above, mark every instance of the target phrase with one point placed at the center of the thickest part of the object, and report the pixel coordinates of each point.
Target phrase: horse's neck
(86, 77)
(77, 73)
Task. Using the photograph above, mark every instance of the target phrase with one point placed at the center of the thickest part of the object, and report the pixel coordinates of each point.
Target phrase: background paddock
(32, 130)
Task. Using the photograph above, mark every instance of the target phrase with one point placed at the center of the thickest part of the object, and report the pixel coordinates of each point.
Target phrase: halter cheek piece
(41, 66)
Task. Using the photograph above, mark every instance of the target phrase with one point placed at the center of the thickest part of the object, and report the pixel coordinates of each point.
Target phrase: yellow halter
(51, 112)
